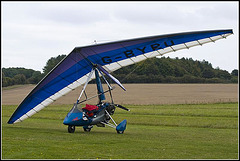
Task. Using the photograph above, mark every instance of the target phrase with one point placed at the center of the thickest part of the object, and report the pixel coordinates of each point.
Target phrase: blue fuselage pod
(75, 116)
(76, 119)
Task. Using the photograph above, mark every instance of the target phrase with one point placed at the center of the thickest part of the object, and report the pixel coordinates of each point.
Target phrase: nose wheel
(120, 132)
(71, 129)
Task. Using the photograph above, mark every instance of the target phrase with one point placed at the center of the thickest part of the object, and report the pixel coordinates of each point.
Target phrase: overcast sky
(33, 32)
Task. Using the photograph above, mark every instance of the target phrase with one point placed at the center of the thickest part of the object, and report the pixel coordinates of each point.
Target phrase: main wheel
(87, 129)
(71, 129)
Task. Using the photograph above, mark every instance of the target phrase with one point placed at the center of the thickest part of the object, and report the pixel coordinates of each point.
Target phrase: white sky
(33, 32)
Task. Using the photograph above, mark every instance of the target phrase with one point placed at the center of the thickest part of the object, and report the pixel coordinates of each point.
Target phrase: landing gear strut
(120, 127)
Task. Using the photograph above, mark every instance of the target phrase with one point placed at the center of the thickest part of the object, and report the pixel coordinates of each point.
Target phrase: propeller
(120, 106)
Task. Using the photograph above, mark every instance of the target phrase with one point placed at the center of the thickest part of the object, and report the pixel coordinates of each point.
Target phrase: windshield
(76, 108)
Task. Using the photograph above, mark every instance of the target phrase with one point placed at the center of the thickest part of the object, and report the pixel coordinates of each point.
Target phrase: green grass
(204, 131)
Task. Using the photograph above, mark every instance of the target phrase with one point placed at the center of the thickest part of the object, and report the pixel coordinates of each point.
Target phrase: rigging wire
(137, 66)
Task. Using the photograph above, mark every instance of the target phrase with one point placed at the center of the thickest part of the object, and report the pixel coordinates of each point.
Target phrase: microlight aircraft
(100, 114)
(94, 61)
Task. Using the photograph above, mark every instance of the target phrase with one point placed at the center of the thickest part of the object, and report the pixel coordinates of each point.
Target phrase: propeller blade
(120, 106)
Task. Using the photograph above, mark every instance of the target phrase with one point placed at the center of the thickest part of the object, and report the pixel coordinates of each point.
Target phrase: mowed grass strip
(204, 131)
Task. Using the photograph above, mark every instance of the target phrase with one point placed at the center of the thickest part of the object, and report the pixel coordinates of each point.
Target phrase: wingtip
(10, 122)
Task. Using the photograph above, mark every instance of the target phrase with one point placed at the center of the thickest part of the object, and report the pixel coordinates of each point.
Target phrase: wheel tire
(120, 132)
(87, 129)
(71, 129)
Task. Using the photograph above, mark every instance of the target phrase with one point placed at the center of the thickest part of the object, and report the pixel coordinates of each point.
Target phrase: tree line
(154, 70)
(13, 76)
(168, 70)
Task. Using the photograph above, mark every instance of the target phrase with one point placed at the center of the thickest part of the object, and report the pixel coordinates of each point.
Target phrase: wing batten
(38, 107)
(72, 71)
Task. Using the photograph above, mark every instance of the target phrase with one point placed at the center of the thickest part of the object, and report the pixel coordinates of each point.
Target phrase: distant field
(197, 131)
(142, 94)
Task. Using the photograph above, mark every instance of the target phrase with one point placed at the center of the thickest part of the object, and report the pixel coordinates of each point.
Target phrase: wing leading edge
(74, 69)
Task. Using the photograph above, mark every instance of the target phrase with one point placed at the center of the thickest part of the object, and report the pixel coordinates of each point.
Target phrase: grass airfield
(179, 131)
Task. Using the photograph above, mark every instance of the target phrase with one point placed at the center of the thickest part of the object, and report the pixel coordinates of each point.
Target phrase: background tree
(234, 72)
(7, 81)
(19, 79)
(51, 63)
(35, 78)
(234, 76)
(12, 76)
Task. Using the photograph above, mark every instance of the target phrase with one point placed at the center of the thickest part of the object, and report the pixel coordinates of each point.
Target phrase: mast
(101, 95)
(100, 92)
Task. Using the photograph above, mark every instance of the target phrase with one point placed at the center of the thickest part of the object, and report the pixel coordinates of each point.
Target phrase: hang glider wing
(73, 70)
